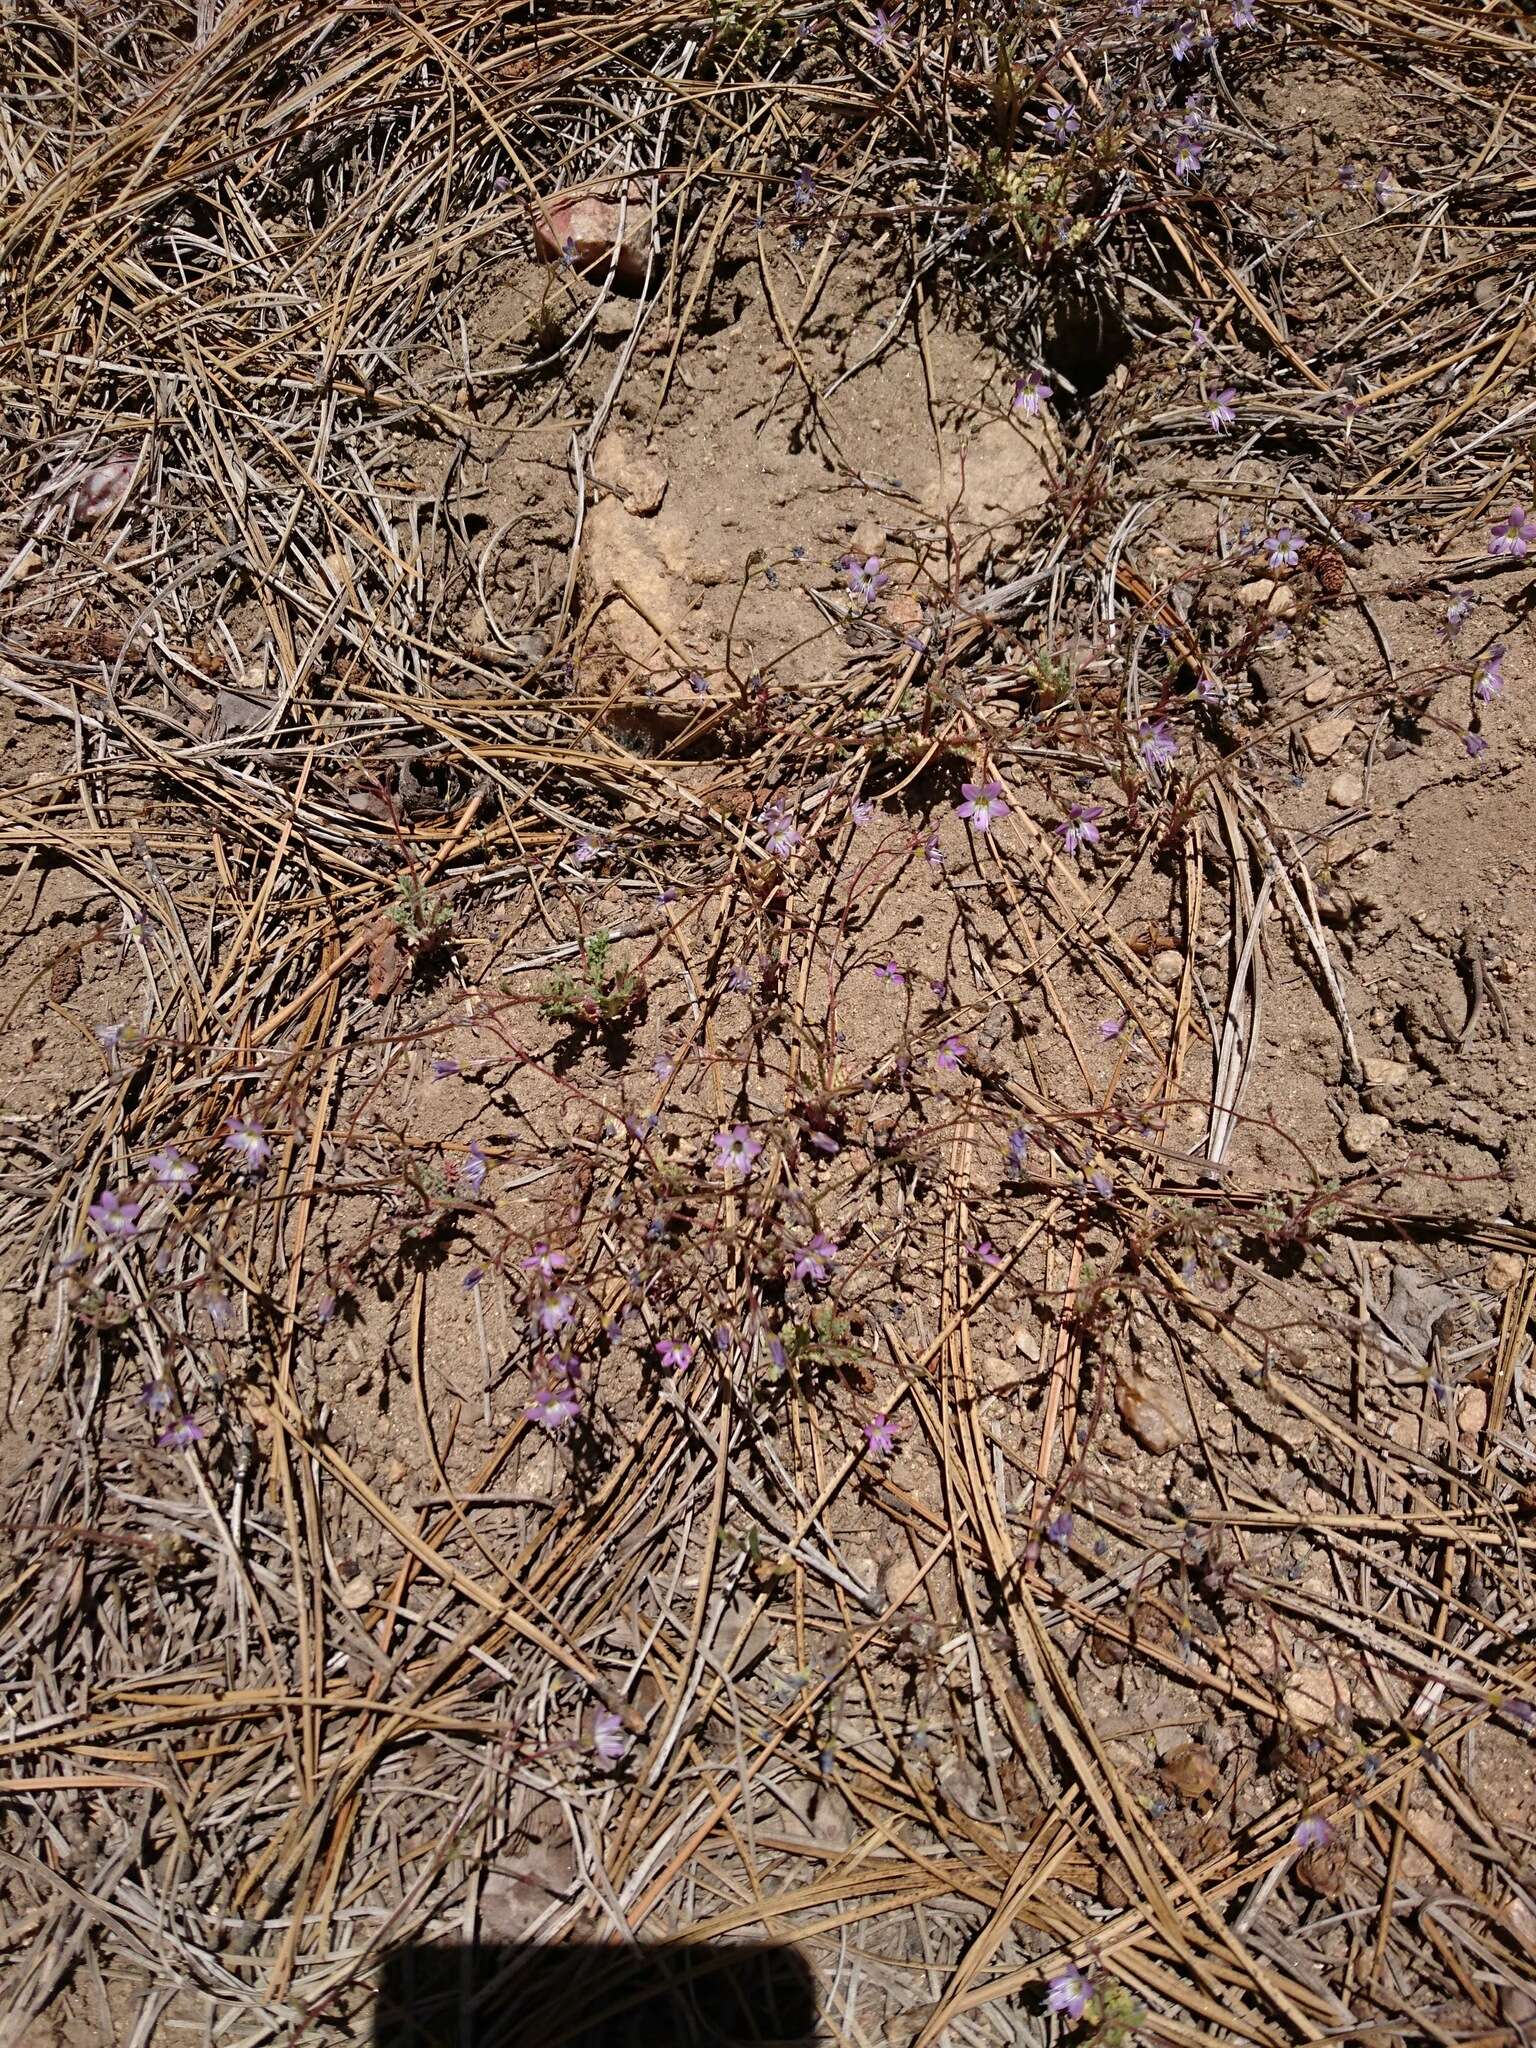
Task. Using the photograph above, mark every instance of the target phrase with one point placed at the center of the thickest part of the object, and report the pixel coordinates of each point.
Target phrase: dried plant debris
(769, 1153)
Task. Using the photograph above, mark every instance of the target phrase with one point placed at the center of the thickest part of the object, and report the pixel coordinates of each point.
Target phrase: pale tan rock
(1503, 1271)
(1318, 691)
(1324, 739)
(1346, 790)
(1311, 1699)
(625, 466)
(1383, 1073)
(1145, 1417)
(1168, 968)
(1364, 1134)
(1278, 599)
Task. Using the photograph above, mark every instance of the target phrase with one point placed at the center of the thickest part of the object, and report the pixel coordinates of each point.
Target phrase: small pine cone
(1329, 570)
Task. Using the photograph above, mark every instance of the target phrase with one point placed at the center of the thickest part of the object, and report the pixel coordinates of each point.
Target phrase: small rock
(1364, 1134)
(1346, 790)
(1503, 1271)
(1145, 1417)
(1319, 690)
(1310, 1699)
(624, 466)
(1278, 599)
(1324, 1868)
(591, 231)
(1385, 1073)
(614, 319)
(1472, 1411)
(868, 539)
(358, 1592)
(1325, 738)
(1168, 968)
(1190, 1770)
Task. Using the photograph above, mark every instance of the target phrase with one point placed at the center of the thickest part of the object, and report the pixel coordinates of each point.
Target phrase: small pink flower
(951, 1055)
(983, 806)
(737, 1148)
(674, 1356)
(609, 1742)
(880, 1434)
(553, 1407)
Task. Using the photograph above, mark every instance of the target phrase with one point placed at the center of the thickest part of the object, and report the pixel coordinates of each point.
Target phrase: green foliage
(600, 994)
(424, 920)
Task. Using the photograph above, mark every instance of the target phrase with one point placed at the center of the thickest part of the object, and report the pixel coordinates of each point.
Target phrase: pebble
(1325, 738)
(1278, 599)
(1364, 1134)
(1310, 1699)
(1319, 690)
(868, 539)
(1503, 1271)
(1346, 790)
(1168, 968)
(1380, 1073)
(1145, 1417)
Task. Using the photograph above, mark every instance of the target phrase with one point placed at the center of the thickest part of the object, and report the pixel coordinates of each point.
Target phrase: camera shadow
(523, 1995)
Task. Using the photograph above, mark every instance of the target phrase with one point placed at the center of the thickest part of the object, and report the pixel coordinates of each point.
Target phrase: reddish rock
(584, 227)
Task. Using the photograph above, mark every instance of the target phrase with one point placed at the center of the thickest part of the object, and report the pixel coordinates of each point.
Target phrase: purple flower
(883, 33)
(1243, 15)
(739, 980)
(674, 1356)
(1080, 826)
(1018, 1150)
(1512, 534)
(950, 1055)
(861, 810)
(1490, 675)
(1349, 177)
(985, 1253)
(470, 1172)
(1183, 41)
(811, 1260)
(1110, 1027)
(585, 852)
(608, 1738)
(782, 838)
(545, 1263)
(1187, 154)
(892, 973)
(170, 1168)
(867, 581)
(181, 1435)
(1312, 1833)
(1069, 1994)
(1158, 745)
(113, 1217)
(880, 1434)
(1457, 612)
(738, 1149)
(1058, 1529)
(555, 1311)
(1282, 548)
(443, 1069)
(247, 1139)
(663, 1066)
(157, 1397)
(553, 1407)
(983, 804)
(933, 853)
(1061, 123)
(1030, 393)
(1475, 744)
(1219, 412)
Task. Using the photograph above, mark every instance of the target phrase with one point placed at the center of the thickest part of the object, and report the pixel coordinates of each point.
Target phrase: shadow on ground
(527, 1996)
